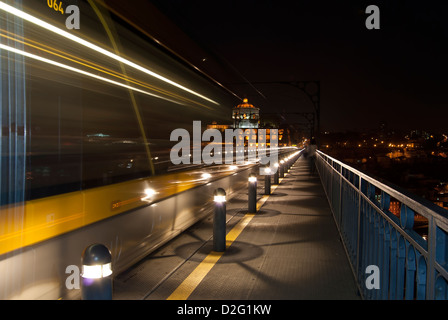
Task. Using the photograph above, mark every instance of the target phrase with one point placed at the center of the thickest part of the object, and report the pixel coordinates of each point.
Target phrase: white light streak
(64, 66)
(67, 35)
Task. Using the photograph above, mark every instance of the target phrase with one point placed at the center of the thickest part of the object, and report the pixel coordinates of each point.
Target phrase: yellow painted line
(192, 281)
(236, 231)
(186, 288)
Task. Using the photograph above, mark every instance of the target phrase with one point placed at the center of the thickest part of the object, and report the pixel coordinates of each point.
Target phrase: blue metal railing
(412, 263)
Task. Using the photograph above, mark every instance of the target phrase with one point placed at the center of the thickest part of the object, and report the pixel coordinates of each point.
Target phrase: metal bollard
(219, 221)
(267, 180)
(252, 193)
(276, 173)
(294, 159)
(282, 169)
(96, 263)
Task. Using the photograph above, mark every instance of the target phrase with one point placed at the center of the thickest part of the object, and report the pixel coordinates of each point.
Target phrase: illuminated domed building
(246, 116)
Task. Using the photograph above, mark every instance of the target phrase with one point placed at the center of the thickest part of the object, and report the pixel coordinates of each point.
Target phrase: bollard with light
(276, 173)
(294, 159)
(267, 180)
(96, 273)
(282, 168)
(219, 221)
(252, 193)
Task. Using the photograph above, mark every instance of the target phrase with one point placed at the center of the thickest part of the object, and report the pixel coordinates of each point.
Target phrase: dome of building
(245, 115)
(245, 104)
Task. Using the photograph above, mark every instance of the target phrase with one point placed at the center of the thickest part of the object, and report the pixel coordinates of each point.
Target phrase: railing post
(401, 266)
(358, 249)
(340, 197)
(432, 233)
(410, 272)
(421, 277)
(393, 264)
(386, 262)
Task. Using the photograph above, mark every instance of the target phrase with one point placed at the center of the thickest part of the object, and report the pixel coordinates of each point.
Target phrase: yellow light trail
(94, 66)
(64, 66)
(67, 35)
(131, 93)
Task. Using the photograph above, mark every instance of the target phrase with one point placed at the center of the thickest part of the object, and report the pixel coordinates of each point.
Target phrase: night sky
(397, 74)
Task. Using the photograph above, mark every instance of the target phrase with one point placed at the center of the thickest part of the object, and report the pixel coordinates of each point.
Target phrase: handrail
(425, 207)
(410, 265)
